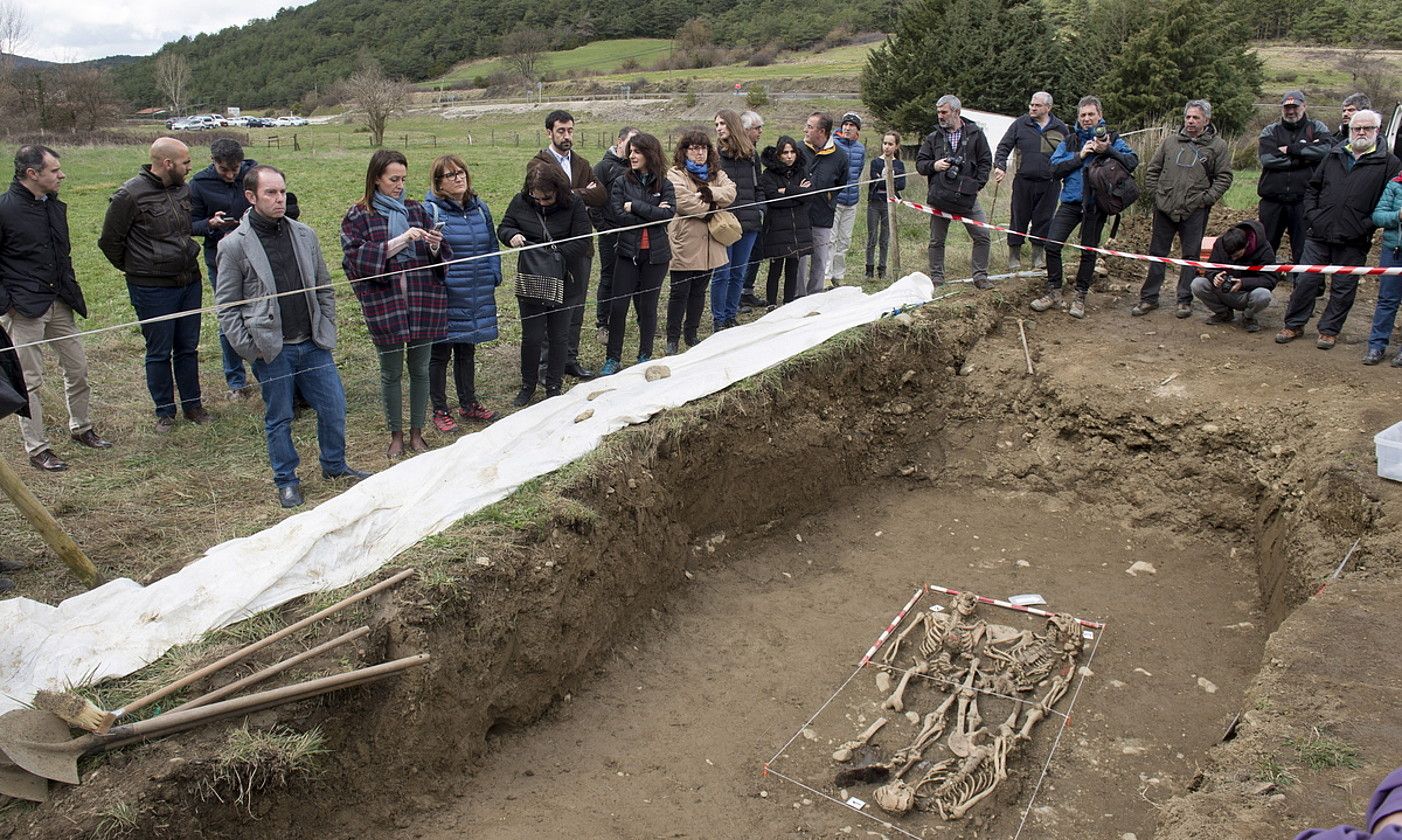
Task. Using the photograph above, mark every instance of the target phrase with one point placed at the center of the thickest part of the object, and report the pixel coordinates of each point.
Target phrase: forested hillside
(278, 60)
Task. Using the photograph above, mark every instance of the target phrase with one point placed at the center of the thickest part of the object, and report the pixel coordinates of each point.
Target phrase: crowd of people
(702, 215)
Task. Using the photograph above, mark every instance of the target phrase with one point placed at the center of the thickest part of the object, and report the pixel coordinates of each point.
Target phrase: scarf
(397, 215)
(699, 170)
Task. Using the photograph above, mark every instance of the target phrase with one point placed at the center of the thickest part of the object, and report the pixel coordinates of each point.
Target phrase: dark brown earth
(1242, 470)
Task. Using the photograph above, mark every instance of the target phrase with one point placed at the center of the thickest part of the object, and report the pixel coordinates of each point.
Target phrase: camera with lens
(1102, 132)
(956, 162)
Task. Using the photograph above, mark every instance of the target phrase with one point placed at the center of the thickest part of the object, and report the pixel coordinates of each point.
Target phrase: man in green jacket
(1191, 171)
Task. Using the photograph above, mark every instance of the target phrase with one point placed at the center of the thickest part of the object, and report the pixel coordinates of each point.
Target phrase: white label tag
(1087, 634)
(937, 608)
(856, 804)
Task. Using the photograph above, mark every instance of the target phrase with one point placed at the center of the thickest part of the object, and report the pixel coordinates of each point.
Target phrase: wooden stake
(1025, 352)
(48, 528)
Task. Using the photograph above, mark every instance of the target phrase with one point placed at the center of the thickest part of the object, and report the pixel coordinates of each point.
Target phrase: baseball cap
(851, 117)
(1293, 97)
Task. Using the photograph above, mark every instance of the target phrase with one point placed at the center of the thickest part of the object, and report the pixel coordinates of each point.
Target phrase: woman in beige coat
(702, 187)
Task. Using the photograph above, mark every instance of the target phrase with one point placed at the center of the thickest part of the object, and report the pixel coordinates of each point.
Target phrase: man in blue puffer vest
(1091, 140)
(847, 138)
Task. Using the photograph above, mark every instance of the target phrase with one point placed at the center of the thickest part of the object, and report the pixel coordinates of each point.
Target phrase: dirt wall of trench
(513, 637)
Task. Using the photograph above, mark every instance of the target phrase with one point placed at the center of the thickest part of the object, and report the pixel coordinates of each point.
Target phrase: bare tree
(173, 79)
(378, 97)
(14, 28)
(522, 50)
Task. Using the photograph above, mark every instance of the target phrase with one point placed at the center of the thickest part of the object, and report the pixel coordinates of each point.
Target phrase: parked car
(297, 121)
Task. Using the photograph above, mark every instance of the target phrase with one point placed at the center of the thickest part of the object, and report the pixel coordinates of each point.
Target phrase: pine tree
(992, 54)
(1186, 52)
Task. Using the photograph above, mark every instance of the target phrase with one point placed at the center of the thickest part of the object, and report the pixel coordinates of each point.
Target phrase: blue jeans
(309, 369)
(728, 281)
(1389, 295)
(233, 363)
(170, 345)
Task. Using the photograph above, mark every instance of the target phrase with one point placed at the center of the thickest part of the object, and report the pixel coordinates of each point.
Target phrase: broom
(82, 713)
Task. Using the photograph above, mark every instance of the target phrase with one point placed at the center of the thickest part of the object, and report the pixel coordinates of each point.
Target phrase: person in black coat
(1225, 293)
(788, 232)
(878, 223)
(642, 196)
(545, 212)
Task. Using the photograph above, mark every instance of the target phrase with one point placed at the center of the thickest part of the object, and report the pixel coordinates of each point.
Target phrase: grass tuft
(250, 762)
(116, 821)
(1271, 769)
(1322, 751)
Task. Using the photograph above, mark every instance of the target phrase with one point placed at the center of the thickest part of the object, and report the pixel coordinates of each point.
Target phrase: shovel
(59, 760)
(16, 781)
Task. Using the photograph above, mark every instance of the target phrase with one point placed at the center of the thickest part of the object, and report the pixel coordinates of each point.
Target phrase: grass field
(153, 503)
(602, 56)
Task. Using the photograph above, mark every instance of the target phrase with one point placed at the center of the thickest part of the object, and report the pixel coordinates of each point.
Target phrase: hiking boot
(1373, 356)
(197, 415)
(477, 411)
(1219, 318)
(983, 284)
(1183, 310)
(164, 425)
(1325, 341)
(611, 366)
(443, 422)
(1143, 307)
(1078, 307)
(1014, 258)
(1250, 324)
(1286, 335)
(1052, 299)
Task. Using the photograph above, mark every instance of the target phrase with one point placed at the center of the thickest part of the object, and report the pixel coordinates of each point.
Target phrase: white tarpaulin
(121, 626)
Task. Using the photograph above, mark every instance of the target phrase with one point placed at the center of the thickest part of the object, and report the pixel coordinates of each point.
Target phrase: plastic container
(1389, 446)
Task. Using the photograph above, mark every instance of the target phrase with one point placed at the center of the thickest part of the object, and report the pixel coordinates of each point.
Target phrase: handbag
(540, 272)
(724, 227)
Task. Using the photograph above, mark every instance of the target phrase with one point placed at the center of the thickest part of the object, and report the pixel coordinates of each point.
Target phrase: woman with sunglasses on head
(545, 213)
(702, 187)
(393, 255)
(472, 282)
(642, 196)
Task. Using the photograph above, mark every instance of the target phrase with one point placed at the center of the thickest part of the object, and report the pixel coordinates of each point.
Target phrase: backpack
(1112, 183)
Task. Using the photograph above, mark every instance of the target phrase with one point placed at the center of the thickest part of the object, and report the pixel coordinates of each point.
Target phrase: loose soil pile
(670, 663)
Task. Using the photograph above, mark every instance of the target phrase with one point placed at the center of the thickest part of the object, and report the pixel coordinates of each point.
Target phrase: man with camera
(1225, 293)
(957, 160)
(1191, 171)
(1092, 144)
(1034, 136)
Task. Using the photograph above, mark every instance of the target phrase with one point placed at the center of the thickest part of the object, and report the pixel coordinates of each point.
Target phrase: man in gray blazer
(277, 309)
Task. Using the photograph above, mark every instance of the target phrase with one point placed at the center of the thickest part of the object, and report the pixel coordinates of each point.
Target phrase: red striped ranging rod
(886, 634)
(995, 602)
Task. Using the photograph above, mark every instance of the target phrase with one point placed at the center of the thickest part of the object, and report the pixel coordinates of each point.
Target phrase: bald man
(146, 235)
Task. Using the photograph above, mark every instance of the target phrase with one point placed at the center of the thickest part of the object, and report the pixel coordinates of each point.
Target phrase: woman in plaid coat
(393, 256)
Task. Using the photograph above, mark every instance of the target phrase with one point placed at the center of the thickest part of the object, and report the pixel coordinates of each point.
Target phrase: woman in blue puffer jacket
(472, 304)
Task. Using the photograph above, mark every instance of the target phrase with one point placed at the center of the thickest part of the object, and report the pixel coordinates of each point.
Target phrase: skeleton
(949, 638)
(1028, 659)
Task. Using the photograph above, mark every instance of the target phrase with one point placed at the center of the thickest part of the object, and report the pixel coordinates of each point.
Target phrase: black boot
(523, 397)
(691, 339)
(672, 348)
(869, 268)
(881, 273)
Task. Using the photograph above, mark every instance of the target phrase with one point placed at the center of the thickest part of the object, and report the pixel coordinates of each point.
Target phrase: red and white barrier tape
(995, 602)
(886, 634)
(1273, 269)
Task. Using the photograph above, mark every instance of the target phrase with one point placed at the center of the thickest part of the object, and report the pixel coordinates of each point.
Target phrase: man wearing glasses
(1289, 149)
(1338, 209)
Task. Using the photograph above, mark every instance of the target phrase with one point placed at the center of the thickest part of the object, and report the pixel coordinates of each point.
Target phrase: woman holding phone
(393, 255)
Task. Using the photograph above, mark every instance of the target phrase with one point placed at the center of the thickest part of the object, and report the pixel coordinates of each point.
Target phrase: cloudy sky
(77, 30)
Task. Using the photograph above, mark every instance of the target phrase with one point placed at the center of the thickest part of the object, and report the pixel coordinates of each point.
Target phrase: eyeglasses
(452, 176)
(1362, 129)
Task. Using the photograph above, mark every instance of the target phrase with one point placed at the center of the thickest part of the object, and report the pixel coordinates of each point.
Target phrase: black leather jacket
(146, 234)
(35, 265)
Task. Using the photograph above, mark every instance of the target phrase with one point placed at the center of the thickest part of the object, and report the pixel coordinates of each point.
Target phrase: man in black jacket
(11, 379)
(825, 165)
(39, 296)
(1289, 150)
(1339, 226)
(146, 235)
(956, 159)
(1226, 293)
(1034, 136)
(612, 166)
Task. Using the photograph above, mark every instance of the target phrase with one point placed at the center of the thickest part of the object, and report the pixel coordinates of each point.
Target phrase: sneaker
(601, 335)
(1250, 324)
(1052, 299)
(443, 422)
(1143, 307)
(477, 411)
(164, 425)
(1373, 356)
(1184, 310)
(1078, 307)
(1218, 318)
(1325, 341)
(642, 359)
(611, 366)
(1286, 335)
(983, 284)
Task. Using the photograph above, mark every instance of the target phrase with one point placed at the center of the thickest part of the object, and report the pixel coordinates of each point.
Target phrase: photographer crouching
(1226, 293)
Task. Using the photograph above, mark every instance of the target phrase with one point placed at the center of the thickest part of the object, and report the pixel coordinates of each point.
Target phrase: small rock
(1085, 672)
(901, 408)
(1128, 835)
(1024, 564)
(1204, 336)
(764, 794)
(913, 717)
(1142, 671)
(966, 369)
(1211, 428)
(1116, 684)
(907, 376)
(1141, 566)
(883, 682)
(656, 372)
(632, 484)
(904, 319)
(809, 733)
(1207, 685)
(842, 754)
(1263, 789)
(584, 415)
(483, 561)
